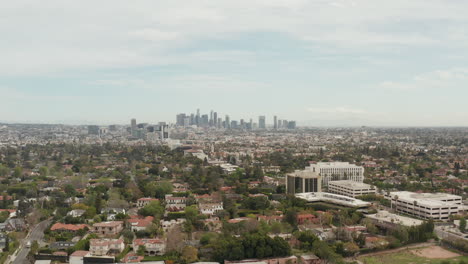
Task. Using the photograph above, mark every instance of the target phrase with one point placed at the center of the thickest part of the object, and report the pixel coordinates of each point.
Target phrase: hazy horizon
(321, 63)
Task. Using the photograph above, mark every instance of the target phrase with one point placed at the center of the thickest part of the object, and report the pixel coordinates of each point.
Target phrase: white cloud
(50, 36)
(454, 78)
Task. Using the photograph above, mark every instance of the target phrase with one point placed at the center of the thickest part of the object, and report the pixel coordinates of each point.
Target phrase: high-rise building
(192, 119)
(133, 126)
(292, 125)
(197, 118)
(227, 122)
(261, 122)
(211, 122)
(303, 181)
(204, 121)
(180, 119)
(337, 171)
(280, 123)
(93, 130)
(215, 119)
(275, 122)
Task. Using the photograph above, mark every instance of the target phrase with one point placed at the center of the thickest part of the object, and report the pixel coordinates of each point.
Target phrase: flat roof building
(337, 171)
(350, 188)
(388, 220)
(436, 206)
(303, 182)
(333, 198)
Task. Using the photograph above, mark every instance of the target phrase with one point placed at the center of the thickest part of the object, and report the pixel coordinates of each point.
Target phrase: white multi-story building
(336, 171)
(303, 182)
(350, 188)
(436, 206)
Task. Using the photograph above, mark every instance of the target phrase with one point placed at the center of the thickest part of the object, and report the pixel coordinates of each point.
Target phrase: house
(306, 218)
(153, 246)
(138, 224)
(270, 218)
(78, 257)
(111, 228)
(76, 213)
(102, 247)
(210, 208)
(59, 227)
(142, 202)
(168, 225)
(310, 259)
(15, 224)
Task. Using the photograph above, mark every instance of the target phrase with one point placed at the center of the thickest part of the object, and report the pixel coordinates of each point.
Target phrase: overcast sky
(321, 62)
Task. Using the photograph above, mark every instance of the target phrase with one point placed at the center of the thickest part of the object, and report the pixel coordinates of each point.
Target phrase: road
(36, 234)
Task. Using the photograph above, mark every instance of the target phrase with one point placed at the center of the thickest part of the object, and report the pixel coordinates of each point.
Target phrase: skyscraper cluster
(212, 120)
(147, 131)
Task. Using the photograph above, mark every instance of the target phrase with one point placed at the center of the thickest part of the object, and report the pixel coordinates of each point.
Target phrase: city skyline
(322, 63)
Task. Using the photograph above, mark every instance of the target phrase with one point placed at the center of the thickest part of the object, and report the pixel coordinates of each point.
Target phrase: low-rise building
(333, 198)
(138, 224)
(386, 219)
(142, 202)
(350, 188)
(153, 246)
(210, 208)
(436, 206)
(102, 247)
(59, 227)
(108, 228)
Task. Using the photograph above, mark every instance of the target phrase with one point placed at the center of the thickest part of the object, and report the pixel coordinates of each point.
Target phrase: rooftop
(388, 217)
(353, 184)
(332, 198)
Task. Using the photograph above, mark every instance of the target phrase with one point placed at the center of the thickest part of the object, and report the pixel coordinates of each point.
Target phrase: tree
(189, 254)
(43, 171)
(141, 250)
(462, 225)
(291, 217)
(154, 208)
(158, 189)
(18, 172)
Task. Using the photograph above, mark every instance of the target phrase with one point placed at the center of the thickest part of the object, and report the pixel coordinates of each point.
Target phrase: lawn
(406, 257)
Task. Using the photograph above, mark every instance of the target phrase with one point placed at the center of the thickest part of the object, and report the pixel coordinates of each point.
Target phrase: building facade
(350, 188)
(436, 206)
(337, 171)
(303, 182)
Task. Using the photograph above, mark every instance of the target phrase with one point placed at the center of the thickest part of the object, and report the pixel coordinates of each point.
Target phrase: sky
(320, 62)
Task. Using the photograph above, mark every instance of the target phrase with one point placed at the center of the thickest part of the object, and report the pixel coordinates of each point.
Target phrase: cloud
(51, 37)
(454, 78)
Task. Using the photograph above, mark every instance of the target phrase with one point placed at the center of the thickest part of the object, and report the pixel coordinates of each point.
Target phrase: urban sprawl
(206, 189)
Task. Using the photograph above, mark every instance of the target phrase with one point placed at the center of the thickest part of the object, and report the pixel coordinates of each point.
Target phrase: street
(36, 234)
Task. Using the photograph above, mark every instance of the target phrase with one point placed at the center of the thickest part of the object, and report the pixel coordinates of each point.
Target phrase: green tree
(141, 250)
(189, 254)
(154, 208)
(463, 224)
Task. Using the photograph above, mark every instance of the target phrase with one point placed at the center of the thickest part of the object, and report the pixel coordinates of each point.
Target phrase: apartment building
(350, 188)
